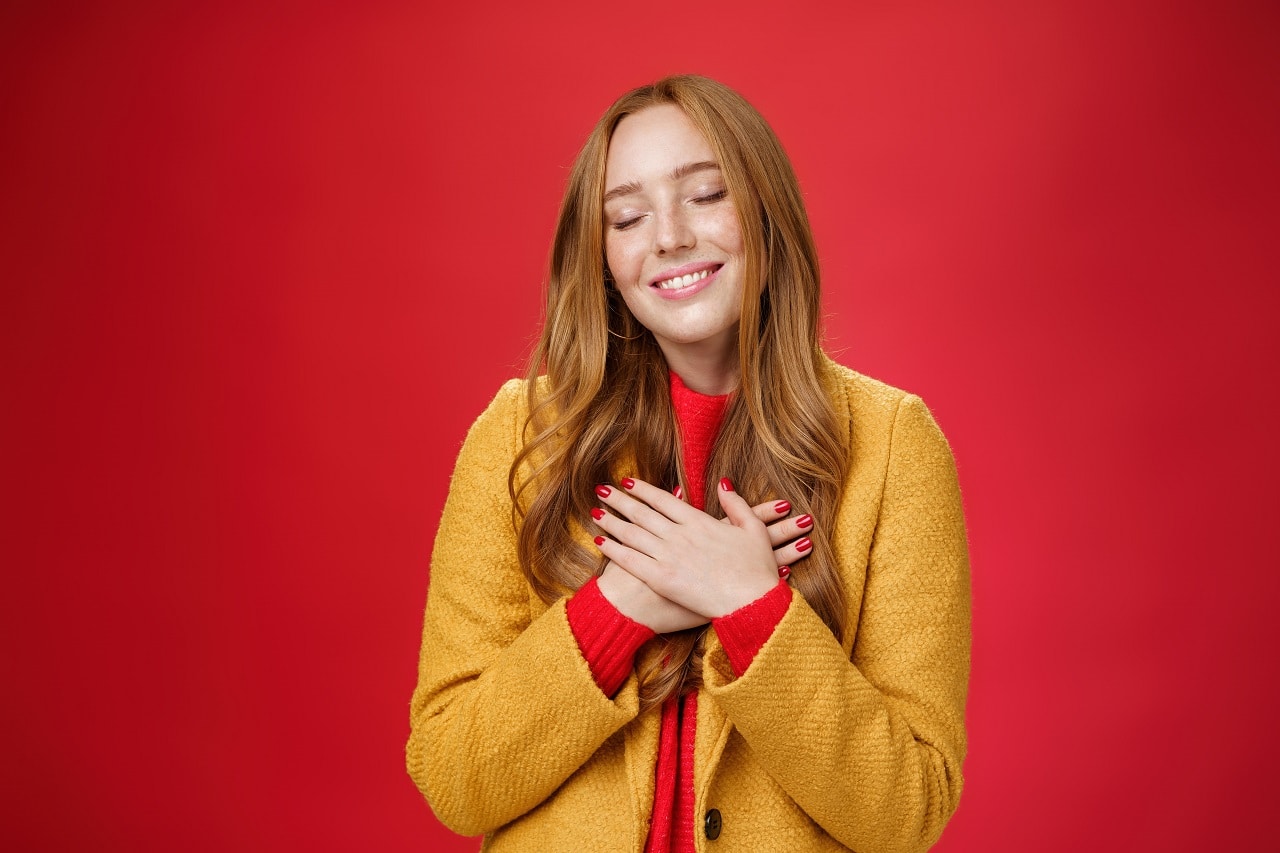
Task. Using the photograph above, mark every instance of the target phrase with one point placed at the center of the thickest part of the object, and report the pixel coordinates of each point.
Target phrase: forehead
(648, 145)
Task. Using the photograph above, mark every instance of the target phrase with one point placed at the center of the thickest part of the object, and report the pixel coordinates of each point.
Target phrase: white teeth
(683, 280)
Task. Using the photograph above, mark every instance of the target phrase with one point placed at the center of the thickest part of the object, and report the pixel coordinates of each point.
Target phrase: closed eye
(712, 198)
(625, 224)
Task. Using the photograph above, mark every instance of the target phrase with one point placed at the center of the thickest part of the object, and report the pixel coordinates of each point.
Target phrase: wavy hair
(604, 400)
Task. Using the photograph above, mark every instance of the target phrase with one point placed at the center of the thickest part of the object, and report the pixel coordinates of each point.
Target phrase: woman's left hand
(682, 553)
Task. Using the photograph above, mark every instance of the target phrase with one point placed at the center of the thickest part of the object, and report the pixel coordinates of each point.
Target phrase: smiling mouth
(682, 281)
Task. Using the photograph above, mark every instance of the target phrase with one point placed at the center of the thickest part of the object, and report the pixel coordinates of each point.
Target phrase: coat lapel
(641, 742)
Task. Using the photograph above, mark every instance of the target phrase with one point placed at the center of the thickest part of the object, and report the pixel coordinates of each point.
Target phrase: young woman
(696, 586)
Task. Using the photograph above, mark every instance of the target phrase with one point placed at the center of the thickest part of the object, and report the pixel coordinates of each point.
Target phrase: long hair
(605, 398)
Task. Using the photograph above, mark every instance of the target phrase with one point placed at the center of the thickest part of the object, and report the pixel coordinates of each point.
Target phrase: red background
(262, 265)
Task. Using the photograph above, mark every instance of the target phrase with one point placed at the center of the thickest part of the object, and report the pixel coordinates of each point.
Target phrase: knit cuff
(608, 639)
(744, 631)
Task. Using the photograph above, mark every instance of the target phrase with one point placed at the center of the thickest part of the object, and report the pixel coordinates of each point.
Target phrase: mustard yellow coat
(818, 746)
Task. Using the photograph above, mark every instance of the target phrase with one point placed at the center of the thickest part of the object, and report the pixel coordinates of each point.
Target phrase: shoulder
(504, 406)
(512, 400)
(861, 400)
(507, 400)
(862, 393)
(497, 429)
(875, 413)
(503, 425)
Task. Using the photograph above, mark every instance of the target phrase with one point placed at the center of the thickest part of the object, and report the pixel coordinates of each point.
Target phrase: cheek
(630, 293)
(622, 258)
(728, 235)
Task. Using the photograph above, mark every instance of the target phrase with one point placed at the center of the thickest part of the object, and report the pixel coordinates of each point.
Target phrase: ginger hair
(598, 388)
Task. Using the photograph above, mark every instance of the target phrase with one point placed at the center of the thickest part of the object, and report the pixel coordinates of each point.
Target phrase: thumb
(737, 510)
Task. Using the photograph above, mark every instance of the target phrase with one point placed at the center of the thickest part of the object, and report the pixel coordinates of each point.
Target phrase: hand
(684, 555)
(789, 536)
(636, 601)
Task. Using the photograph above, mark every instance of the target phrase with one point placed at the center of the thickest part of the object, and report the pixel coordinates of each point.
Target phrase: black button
(712, 824)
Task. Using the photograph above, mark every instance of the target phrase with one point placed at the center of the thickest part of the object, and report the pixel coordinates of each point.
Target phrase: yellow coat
(817, 746)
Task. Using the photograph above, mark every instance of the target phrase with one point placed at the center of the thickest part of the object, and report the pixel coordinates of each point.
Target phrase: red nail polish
(679, 491)
(628, 483)
(603, 491)
(599, 540)
(804, 522)
(725, 484)
(597, 513)
(784, 572)
(804, 544)
(782, 506)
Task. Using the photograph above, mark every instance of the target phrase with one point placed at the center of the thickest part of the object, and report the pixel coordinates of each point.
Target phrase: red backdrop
(262, 264)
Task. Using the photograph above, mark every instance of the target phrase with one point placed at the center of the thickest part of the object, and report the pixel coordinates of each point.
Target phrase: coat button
(712, 825)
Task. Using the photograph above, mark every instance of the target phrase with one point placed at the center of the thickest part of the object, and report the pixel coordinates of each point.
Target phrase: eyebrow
(677, 173)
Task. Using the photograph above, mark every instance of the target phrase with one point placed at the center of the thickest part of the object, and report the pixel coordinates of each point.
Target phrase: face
(672, 238)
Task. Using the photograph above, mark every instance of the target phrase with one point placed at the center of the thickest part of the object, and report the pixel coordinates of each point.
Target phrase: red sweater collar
(700, 417)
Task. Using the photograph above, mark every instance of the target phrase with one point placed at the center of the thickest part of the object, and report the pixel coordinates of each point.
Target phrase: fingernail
(804, 544)
(628, 483)
(784, 572)
(804, 522)
(782, 506)
(603, 491)
(597, 513)
(678, 491)
(725, 484)
(599, 540)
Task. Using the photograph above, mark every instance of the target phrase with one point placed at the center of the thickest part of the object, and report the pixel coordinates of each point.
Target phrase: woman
(696, 586)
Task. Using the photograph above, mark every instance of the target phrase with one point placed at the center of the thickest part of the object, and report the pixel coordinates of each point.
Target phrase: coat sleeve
(871, 746)
(506, 707)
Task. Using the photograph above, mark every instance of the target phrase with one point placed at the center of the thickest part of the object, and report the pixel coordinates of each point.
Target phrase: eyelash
(706, 199)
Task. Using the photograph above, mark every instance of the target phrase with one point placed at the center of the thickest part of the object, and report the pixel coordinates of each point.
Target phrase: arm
(871, 747)
(506, 707)
(607, 638)
(744, 632)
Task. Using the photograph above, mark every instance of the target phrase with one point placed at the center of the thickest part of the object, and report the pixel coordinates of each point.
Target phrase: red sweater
(609, 640)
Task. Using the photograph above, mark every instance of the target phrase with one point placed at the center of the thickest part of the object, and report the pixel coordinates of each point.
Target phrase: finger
(640, 566)
(659, 500)
(769, 512)
(784, 531)
(793, 552)
(628, 534)
(737, 510)
(678, 491)
(634, 511)
(647, 506)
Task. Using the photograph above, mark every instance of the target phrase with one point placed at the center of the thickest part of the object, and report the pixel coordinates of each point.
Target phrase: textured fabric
(819, 745)
(607, 639)
(699, 417)
(682, 822)
(665, 776)
(744, 632)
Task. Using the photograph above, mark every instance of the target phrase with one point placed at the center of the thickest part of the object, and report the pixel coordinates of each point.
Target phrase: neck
(710, 370)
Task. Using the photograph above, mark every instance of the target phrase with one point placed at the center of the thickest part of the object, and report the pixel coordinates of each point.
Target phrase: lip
(687, 269)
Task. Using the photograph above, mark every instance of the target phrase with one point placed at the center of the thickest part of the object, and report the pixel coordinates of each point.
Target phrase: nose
(673, 232)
